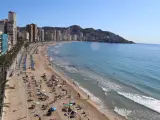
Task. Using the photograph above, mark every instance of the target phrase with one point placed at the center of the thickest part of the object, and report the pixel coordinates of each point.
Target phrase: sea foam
(122, 112)
(148, 102)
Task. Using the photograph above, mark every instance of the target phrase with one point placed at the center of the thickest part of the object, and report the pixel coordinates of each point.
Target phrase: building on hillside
(3, 44)
(12, 29)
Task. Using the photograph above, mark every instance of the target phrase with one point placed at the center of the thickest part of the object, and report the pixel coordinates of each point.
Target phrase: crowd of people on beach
(41, 103)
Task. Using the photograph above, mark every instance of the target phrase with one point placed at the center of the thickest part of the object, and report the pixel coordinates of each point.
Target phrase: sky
(136, 20)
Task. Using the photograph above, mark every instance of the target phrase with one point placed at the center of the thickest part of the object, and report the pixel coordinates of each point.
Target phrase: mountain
(89, 34)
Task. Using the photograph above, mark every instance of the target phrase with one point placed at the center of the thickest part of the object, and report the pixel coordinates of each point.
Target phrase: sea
(122, 78)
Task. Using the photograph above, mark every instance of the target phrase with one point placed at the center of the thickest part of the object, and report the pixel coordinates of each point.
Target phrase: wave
(71, 69)
(122, 112)
(66, 65)
(109, 86)
(148, 102)
(58, 45)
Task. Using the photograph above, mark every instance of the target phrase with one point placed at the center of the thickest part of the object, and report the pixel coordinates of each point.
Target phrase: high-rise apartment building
(81, 36)
(54, 35)
(48, 36)
(75, 37)
(33, 32)
(29, 29)
(59, 36)
(41, 34)
(65, 35)
(25, 36)
(69, 36)
(12, 29)
(3, 26)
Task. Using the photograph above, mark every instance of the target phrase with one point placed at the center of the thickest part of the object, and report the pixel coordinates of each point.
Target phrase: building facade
(0, 42)
(35, 32)
(12, 29)
(2, 25)
(54, 35)
(41, 34)
(29, 29)
(3, 44)
(65, 35)
(48, 37)
(25, 36)
(58, 35)
(75, 37)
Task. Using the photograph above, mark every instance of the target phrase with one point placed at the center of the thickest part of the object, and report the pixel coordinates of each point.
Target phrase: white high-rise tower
(12, 29)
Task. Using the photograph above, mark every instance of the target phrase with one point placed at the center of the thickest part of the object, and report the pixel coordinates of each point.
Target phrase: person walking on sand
(78, 95)
(88, 96)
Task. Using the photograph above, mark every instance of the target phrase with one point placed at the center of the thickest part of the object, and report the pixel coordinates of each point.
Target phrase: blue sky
(137, 20)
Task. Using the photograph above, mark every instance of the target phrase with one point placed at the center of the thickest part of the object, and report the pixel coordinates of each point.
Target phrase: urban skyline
(10, 33)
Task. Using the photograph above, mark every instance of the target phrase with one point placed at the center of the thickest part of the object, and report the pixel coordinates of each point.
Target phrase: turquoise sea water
(123, 78)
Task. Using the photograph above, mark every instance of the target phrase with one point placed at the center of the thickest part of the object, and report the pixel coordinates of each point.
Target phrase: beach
(36, 88)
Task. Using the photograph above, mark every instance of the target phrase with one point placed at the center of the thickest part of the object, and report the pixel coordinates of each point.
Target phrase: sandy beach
(40, 92)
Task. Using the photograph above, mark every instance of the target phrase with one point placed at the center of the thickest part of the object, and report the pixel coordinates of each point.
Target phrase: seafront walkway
(15, 101)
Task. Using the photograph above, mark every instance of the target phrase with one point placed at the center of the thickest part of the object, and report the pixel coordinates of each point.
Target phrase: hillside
(90, 34)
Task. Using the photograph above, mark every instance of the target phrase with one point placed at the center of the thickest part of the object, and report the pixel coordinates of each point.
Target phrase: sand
(18, 98)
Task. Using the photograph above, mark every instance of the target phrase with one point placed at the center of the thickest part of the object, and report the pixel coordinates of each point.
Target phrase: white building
(42, 35)
(81, 36)
(75, 37)
(65, 35)
(12, 29)
(59, 35)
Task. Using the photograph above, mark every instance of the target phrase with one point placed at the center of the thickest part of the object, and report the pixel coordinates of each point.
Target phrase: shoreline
(79, 89)
(17, 97)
